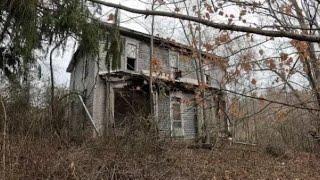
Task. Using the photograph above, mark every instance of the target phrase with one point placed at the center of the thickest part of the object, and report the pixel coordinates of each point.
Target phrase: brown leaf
(208, 16)
(209, 8)
(111, 17)
(253, 81)
(271, 64)
(284, 56)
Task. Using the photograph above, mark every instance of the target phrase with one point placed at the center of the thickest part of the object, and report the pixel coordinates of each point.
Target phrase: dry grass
(34, 158)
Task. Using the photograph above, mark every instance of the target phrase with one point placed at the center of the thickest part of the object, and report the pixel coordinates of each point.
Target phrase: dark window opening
(131, 64)
(177, 74)
(208, 79)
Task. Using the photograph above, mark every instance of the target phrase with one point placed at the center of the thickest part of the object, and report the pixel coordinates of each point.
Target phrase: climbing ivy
(114, 48)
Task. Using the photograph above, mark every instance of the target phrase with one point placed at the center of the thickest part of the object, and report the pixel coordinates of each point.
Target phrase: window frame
(176, 101)
(127, 50)
(128, 55)
(176, 65)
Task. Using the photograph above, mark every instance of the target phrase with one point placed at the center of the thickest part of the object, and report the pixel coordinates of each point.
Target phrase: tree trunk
(151, 94)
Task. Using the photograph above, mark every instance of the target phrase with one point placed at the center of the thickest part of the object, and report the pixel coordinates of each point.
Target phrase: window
(131, 56)
(176, 113)
(132, 51)
(174, 64)
(131, 64)
(174, 60)
(208, 79)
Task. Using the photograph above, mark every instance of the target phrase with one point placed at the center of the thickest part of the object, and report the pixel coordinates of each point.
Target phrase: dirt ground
(28, 158)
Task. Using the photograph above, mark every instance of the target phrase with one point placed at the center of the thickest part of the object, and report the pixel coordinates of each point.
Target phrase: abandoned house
(112, 96)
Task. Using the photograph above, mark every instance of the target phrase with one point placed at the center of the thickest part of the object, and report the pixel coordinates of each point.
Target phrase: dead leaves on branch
(302, 48)
(287, 9)
(111, 17)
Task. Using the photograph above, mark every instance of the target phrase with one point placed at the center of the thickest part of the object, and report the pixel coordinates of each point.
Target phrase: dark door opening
(130, 104)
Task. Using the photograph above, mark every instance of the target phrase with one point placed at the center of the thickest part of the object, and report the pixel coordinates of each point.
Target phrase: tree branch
(221, 26)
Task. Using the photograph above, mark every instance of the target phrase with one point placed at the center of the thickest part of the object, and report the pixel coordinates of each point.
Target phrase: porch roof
(186, 84)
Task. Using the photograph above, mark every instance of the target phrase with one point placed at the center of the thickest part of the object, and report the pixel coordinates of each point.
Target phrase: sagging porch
(176, 110)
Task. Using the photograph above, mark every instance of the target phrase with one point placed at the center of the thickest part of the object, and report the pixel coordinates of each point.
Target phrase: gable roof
(146, 38)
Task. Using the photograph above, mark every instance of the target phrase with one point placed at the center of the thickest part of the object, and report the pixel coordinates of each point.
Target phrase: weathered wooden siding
(188, 113)
(94, 87)
(189, 117)
(83, 79)
(216, 75)
(162, 55)
(164, 114)
(91, 87)
(99, 104)
(143, 56)
(187, 67)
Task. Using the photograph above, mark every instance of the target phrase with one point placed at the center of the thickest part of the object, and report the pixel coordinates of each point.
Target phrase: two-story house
(114, 95)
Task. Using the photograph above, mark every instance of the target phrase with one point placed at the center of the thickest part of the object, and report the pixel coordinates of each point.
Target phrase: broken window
(208, 79)
(131, 64)
(176, 113)
(131, 56)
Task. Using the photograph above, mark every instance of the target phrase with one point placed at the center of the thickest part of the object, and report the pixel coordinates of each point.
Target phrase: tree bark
(151, 98)
(4, 144)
